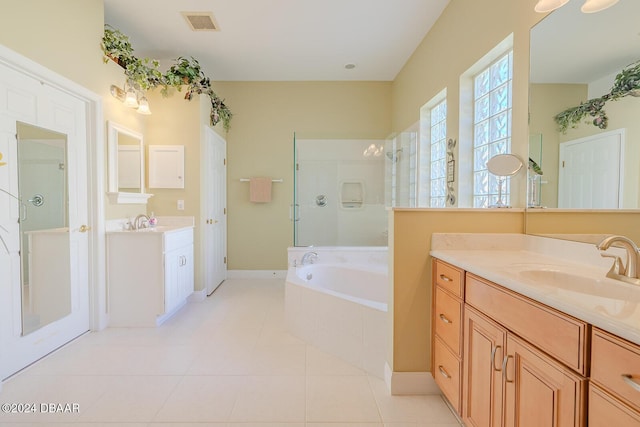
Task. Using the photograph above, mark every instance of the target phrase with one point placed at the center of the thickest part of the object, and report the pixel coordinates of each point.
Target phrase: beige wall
(409, 252)
(64, 36)
(547, 100)
(260, 143)
(464, 33)
(176, 121)
(563, 222)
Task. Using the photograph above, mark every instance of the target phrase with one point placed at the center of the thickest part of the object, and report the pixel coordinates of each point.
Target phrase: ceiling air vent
(201, 21)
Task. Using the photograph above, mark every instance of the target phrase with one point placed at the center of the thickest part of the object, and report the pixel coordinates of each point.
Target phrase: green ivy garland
(145, 75)
(627, 82)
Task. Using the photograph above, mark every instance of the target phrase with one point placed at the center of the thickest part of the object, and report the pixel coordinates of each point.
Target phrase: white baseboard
(256, 274)
(197, 296)
(403, 383)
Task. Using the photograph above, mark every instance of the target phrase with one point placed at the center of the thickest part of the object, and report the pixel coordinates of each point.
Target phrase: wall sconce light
(143, 106)
(589, 6)
(132, 98)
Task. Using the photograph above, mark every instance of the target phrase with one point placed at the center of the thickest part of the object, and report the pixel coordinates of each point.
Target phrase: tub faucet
(136, 222)
(626, 272)
(309, 258)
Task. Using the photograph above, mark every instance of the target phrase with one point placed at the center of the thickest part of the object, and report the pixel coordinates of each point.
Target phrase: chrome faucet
(309, 258)
(627, 272)
(136, 222)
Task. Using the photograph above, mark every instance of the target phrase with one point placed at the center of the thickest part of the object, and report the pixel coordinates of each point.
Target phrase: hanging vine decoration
(144, 74)
(627, 82)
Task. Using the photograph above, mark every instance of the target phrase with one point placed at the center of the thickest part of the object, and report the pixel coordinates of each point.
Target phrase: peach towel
(260, 190)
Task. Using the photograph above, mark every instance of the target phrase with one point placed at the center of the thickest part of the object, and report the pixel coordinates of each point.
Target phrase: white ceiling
(285, 40)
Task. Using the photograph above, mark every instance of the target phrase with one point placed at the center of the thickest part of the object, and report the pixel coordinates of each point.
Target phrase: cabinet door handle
(444, 318)
(445, 278)
(443, 372)
(493, 359)
(505, 362)
(630, 382)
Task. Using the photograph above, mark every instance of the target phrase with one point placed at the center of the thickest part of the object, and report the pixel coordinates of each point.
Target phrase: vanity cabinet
(447, 330)
(502, 359)
(540, 391)
(614, 392)
(150, 275)
(485, 342)
(512, 381)
(178, 269)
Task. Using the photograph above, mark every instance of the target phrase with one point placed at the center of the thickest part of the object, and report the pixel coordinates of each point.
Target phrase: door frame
(95, 147)
(205, 196)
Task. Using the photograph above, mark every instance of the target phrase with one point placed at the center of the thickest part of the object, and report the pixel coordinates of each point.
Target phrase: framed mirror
(126, 165)
(44, 226)
(575, 57)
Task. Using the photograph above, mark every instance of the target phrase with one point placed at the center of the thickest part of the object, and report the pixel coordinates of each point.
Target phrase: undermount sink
(151, 229)
(582, 284)
(156, 229)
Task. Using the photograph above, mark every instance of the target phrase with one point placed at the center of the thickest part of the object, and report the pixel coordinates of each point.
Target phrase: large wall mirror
(575, 57)
(126, 165)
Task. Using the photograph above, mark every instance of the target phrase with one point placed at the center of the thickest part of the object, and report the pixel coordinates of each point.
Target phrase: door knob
(84, 228)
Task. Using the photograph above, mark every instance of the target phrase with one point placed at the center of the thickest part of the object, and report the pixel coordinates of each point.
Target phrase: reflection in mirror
(576, 57)
(44, 226)
(129, 164)
(503, 166)
(126, 165)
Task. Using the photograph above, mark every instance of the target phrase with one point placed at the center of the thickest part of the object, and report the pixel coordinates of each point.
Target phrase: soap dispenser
(152, 220)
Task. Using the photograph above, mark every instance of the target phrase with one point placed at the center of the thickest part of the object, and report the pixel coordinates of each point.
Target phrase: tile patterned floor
(224, 362)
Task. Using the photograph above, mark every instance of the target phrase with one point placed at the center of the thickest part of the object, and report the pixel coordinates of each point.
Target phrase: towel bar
(273, 180)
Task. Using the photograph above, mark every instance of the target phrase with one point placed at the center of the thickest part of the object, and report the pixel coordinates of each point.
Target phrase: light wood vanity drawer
(448, 320)
(556, 333)
(449, 277)
(607, 411)
(446, 373)
(615, 365)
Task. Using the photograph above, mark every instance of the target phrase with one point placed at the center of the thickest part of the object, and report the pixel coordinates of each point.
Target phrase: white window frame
(464, 156)
(486, 193)
(430, 136)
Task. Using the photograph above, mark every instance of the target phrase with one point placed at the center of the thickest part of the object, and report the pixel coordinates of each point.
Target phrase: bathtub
(339, 303)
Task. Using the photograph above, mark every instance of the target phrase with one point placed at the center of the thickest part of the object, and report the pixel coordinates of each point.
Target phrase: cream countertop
(166, 224)
(515, 260)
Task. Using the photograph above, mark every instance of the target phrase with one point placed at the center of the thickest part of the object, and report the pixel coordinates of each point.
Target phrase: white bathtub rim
(339, 248)
(368, 267)
(293, 279)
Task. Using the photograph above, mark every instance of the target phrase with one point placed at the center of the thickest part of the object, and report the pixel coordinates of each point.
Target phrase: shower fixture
(394, 156)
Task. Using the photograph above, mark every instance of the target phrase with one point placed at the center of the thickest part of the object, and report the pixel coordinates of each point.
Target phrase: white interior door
(590, 175)
(27, 100)
(215, 228)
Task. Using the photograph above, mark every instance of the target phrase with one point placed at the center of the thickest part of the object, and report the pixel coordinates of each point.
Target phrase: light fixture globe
(544, 6)
(131, 99)
(143, 108)
(592, 6)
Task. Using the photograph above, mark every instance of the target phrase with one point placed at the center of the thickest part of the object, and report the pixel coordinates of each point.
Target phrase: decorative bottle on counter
(153, 220)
